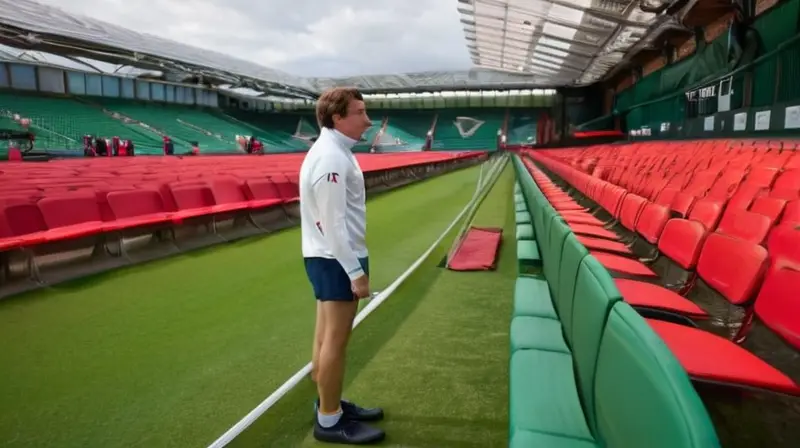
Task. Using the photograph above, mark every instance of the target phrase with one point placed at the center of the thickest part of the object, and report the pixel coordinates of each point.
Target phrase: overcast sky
(302, 37)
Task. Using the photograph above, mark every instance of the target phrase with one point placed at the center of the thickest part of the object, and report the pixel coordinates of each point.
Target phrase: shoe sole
(378, 438)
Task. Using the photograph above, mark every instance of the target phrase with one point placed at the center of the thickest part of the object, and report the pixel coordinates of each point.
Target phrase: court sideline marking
(374, 303)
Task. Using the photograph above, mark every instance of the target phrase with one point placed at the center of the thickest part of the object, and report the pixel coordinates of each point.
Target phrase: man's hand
(360, 287)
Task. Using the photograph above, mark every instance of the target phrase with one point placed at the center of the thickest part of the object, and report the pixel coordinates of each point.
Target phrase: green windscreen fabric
(778, 25)
(709, 61)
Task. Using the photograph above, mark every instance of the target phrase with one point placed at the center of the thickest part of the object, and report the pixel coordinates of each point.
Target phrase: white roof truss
(568, 42)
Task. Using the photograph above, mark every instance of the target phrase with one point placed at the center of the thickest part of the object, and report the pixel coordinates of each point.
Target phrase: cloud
(301, 37)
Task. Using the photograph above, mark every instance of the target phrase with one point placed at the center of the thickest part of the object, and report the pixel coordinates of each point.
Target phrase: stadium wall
(50, 80)
(724, 88)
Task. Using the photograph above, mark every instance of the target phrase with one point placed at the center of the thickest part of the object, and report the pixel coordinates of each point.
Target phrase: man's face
(356, 121)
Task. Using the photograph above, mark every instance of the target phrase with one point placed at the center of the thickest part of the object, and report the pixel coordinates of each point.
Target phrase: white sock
(326, 421)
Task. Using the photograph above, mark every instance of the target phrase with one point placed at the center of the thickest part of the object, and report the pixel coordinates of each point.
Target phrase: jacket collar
(341, 139)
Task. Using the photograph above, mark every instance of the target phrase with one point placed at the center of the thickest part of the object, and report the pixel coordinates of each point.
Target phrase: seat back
(732, 266)
(681, 241)
(631, 209)
(132, 203)
(742, 224)
(551, 259)
(643, 396)
(595, 294)
(777, 304)
(652, 221)
(762, 176)
(707, 212)
(192, 196)
(286, 188)
(227, 190)
(24, 218)
(574, 252)
(770, 207)
(791, 213)
(683, 203)
(69, 209)
(261, 189)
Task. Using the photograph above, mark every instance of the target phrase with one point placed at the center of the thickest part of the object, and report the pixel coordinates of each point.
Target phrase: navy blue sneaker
(348, 431)
(355, 412)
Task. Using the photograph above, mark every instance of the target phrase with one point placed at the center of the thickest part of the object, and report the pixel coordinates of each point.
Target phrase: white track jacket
(333, 211)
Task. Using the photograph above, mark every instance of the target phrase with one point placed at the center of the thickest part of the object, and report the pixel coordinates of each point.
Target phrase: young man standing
(333, 225)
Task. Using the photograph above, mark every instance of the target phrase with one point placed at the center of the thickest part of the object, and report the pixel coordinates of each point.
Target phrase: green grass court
(173, 353)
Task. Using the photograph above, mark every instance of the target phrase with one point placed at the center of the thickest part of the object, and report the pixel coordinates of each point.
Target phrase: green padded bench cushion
(540, 333)
(520, 207)
(528, 439)
(517, 188)
(528, 251)
(543, 395)
(519, 197)
(523, 218)
(532, 298)
(524, 232)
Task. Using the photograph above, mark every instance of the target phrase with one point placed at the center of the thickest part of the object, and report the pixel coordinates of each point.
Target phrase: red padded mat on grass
(478, 250)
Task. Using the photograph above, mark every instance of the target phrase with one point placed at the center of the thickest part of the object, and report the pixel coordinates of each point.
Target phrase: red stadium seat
(681, 241)
(262, 193)
(652, 221)
(192, 200)
(71, 216)
(288, 190)
(791, 214)
(683, 202)
(769, 207)
(137, 208)
(745, 225)
(228, 195)
(708, 357)
(732, 266)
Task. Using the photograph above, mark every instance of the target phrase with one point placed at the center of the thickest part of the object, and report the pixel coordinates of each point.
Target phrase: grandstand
(590, 239)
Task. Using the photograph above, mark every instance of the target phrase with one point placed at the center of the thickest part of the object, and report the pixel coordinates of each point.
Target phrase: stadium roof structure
(563, 42)
(516, 44)
(27, 25)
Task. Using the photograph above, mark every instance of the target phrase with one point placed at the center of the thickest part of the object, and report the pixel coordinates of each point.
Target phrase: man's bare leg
(338, 324)
(319, 333)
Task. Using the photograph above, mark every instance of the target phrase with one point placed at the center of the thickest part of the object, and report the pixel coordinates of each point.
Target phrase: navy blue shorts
(329, 280)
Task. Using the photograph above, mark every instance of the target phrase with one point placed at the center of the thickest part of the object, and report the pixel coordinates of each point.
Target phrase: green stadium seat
(586, 370)
(525, 232)
(523, 218)
(521, 207)
(544, 397)
(527, 439)
(532, 298)
(539, 333)
(528, 254)
(643, 397)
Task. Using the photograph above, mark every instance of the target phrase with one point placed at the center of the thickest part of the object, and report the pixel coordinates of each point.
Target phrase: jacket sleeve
(330, 191)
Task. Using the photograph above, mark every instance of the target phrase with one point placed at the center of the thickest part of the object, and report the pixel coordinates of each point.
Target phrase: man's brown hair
(335, 101)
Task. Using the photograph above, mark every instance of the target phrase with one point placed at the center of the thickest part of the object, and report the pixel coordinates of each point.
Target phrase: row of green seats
(60, 122)
(586, 370)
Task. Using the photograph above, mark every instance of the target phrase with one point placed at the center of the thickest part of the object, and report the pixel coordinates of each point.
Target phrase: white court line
(295, 379)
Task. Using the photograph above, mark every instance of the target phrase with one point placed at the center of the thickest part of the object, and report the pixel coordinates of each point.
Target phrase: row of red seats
(25, 223)
(729, 259)
(94, 196)
(289, 163)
